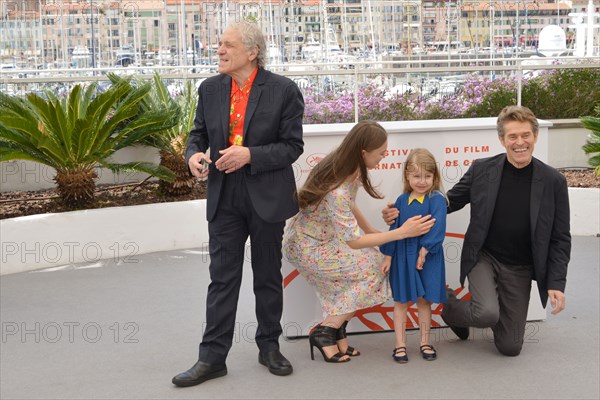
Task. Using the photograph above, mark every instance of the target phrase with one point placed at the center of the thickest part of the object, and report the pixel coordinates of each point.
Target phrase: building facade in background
(185, 32)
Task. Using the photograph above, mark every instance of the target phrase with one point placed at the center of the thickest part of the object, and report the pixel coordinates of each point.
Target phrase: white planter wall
(565, 138)
(119, 233)
(21, 175)
(585, 211)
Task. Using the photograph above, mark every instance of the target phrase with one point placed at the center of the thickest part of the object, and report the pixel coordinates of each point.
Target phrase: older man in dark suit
(518, 232)
(251, 119)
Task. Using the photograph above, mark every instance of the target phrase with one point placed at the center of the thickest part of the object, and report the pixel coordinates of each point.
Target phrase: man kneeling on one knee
(518, 232)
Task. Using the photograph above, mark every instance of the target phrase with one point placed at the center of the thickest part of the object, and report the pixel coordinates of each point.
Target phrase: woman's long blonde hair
(343, 162)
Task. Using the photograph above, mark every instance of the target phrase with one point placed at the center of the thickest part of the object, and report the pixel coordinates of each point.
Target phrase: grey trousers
(499, 299)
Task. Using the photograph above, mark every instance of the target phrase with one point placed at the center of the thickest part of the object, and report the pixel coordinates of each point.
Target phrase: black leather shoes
(199, 373)
(461, 332)
(428, 356)
(276, 362)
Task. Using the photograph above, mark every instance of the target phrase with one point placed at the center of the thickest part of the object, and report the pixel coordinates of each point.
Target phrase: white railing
(433, 77)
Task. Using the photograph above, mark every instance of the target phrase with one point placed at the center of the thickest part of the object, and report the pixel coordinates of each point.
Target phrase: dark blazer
(272, 132)
(549, 209)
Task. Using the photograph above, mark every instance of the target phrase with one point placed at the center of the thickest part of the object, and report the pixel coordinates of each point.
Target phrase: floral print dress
(345, 279)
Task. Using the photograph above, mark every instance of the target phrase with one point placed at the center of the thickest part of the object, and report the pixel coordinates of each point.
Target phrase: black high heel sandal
(324, 336)
(341, 334)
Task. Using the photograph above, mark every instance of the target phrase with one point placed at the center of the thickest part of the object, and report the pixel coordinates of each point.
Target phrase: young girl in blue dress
(416, 265)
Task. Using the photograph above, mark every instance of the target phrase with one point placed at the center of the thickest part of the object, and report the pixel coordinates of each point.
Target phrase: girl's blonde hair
(424, 160)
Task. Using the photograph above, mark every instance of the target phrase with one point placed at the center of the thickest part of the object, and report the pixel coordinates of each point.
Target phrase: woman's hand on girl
(415, 226)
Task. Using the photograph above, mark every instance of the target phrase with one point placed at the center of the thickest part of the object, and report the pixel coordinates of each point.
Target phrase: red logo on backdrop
(314, 159)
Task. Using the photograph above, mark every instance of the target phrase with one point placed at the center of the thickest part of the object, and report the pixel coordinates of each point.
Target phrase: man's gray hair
(516, 113)
(252, 37)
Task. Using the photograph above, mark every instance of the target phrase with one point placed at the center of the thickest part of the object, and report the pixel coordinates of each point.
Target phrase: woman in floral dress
(332, 244)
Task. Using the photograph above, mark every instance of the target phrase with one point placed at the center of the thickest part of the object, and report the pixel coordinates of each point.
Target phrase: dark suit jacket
(549, 209)
(272, 132)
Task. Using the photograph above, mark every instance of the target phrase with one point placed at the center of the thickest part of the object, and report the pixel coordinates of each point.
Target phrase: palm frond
(10, 153)
(148, 124)
(126, 109)
(591, 123)
(592, 145)
(188, 103)
(138, 166)
(161, 91)
(20, 125)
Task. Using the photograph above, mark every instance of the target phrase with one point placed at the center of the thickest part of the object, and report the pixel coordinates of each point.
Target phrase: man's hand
(557, 300)
(199, 169)
(233, 158)
(389, 214)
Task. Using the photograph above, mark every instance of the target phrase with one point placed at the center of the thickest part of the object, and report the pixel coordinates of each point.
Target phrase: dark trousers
(499, 299)
(234, 221)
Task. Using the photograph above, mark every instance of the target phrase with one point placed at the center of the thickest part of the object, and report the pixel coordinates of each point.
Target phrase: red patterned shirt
(237, 109)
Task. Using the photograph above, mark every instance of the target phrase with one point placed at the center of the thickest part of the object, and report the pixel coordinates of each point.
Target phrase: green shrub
(592, 146)
(563, 93)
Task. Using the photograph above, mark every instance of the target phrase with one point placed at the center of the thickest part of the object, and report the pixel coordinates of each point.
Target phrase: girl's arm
(362, 221)
(434, 239)
(385, 264)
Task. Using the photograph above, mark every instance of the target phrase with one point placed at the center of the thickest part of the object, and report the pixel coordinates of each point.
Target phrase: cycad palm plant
(79, 133)
(592, 146)
(171, 142)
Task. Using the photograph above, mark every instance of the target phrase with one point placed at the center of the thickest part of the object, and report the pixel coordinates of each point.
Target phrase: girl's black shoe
(400, 355)
(428, 356)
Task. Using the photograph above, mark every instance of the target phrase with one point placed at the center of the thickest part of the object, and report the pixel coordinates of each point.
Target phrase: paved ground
(109, 331)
